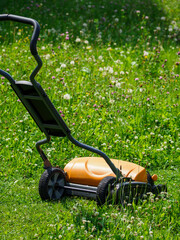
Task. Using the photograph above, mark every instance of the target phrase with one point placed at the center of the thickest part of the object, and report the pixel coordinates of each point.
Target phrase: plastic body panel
(91, 170)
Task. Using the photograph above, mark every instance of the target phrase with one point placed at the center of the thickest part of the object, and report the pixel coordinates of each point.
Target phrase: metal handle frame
(33, 49)
(33, 43)
(30, 21)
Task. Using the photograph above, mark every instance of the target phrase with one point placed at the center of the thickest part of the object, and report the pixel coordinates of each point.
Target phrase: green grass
(119, 62)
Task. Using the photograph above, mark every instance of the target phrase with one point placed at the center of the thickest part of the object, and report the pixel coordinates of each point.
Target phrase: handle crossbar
(30, 21)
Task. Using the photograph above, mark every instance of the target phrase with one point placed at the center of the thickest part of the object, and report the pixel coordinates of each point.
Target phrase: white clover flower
(129, 90)
(109, 49)
(128, 226)
(58, 69)
(47, 56)
(111, 70)
(163, 18)
(78, 39)
(86, 41)
(100, 57)
(116, 19)
(84, 24)
(133, 63)
(67, 96)
(88, 47)
(100, 69)
(99, 35)
(63, 65)
(146, 53)
(122, 72)
(72, 62)
(96, 213)
(43, 48)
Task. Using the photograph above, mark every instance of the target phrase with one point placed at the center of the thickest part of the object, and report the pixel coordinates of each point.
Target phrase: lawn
(111, 68)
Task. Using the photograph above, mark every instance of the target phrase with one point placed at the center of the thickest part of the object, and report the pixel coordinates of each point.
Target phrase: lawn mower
(104, 179)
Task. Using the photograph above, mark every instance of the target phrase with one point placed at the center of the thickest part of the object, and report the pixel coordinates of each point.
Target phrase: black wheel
(51, 184)
(104, 190)
(132, 191)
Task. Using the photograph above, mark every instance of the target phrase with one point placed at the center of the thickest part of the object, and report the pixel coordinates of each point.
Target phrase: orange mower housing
(91, 170)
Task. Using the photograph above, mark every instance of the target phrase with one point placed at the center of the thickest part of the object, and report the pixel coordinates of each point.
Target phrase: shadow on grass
(124, 22)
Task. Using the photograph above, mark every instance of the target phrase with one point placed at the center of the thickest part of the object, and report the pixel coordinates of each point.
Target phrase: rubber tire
(45, 184)
(102, 195)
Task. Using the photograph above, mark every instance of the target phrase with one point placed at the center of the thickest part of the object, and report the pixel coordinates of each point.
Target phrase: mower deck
(91, 170)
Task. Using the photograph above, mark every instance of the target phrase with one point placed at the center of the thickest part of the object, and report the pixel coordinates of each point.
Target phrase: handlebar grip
(30, 21)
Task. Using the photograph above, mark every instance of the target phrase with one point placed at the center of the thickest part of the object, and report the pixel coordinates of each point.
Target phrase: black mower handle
(34, 23)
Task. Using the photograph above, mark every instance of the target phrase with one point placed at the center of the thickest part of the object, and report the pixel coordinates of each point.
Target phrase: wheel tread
(43, 182)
